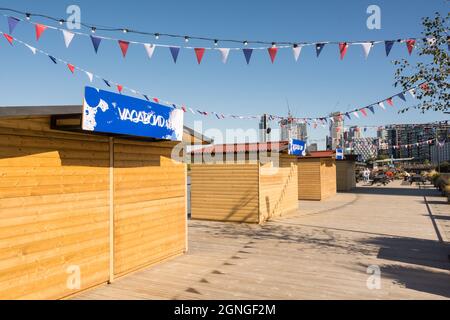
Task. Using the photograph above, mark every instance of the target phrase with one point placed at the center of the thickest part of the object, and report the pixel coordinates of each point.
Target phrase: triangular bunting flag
(356, 114)
(174, 51)
(224, 52)
(123, 47)
(12, 23)
(319, 47)
(363, 111)
(146, 97)
(401, 96)
(367, 46)
(381, 104)
(107, 82)
(119, 88)
(412, 93)
(272, 53)
(348, 116)
(248, 54)
(410, 45)
(53, 59)
(40, 28)
(390, 102)
(371, 109)
(199, 52)
(33, 49)
(424, 86)
(90, 75)
(388, 46)
(343, 46)
(68, 36)
(9, 38)
(71, 67)
(96, 42)
(296, 51)
(156, 100)
(150, 48)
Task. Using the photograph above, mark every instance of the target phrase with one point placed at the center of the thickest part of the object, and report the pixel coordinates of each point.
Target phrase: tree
(432, 69)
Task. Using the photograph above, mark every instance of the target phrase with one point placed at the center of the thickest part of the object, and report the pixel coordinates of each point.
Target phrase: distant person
(366, 175)
(407, 176)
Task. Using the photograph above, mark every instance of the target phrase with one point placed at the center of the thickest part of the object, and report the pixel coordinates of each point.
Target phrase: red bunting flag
(156, 100)
(71, 67)
(363, 111)
(124, 47)
(343, 46)
(40, 28)
(183, 108)
(9, 38)
(390, 102)
(199, 52)
(272, 53)
(410, 45)
(424, 86)
(119, 88)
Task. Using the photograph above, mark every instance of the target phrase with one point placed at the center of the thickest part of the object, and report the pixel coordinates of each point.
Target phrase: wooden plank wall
(309, 179)
(53, 209)
(225, 192)
(345, 175)
(278, 191)
(149, 205)
(327, 177)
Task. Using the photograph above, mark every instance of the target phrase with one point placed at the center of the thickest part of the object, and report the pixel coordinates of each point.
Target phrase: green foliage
(445, 167)
(433, 67)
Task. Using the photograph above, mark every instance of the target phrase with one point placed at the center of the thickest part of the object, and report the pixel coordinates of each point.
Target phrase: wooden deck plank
(321, 252)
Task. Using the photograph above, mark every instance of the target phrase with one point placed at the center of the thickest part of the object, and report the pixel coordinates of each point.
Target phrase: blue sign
(297, 147)
(339, 154)
(110, 112)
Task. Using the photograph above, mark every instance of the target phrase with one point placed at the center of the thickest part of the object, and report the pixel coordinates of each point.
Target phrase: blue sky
(313, 86)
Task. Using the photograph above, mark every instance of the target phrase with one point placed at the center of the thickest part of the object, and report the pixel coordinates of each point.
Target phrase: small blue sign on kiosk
(297, 147)
(109, 112)
(339, 154)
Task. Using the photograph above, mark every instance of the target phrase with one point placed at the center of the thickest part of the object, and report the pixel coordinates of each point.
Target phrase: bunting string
(121, 88)
(272, 50)
(186, 38)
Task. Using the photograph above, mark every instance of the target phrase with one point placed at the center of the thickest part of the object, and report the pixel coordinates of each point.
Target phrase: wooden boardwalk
(320, 252)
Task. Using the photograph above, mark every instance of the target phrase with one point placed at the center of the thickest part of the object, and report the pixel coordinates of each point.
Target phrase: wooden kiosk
(316, 176)
(241, 183)
(78, 209)
(345, 173)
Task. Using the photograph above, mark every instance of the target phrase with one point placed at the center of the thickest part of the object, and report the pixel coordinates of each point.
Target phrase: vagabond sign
(109, 112)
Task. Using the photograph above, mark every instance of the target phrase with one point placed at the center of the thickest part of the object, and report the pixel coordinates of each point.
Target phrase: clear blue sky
(313, 86)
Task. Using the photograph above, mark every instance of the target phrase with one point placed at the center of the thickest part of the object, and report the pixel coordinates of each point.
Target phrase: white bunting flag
(356, 114)
(68, 36)
(332, 119)
(150, 48)
(90, 75)
(381, 104)
(224, 52)
(296, 51)
(33, 49)
(190, 109)
(412, 93)
(367, 46)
